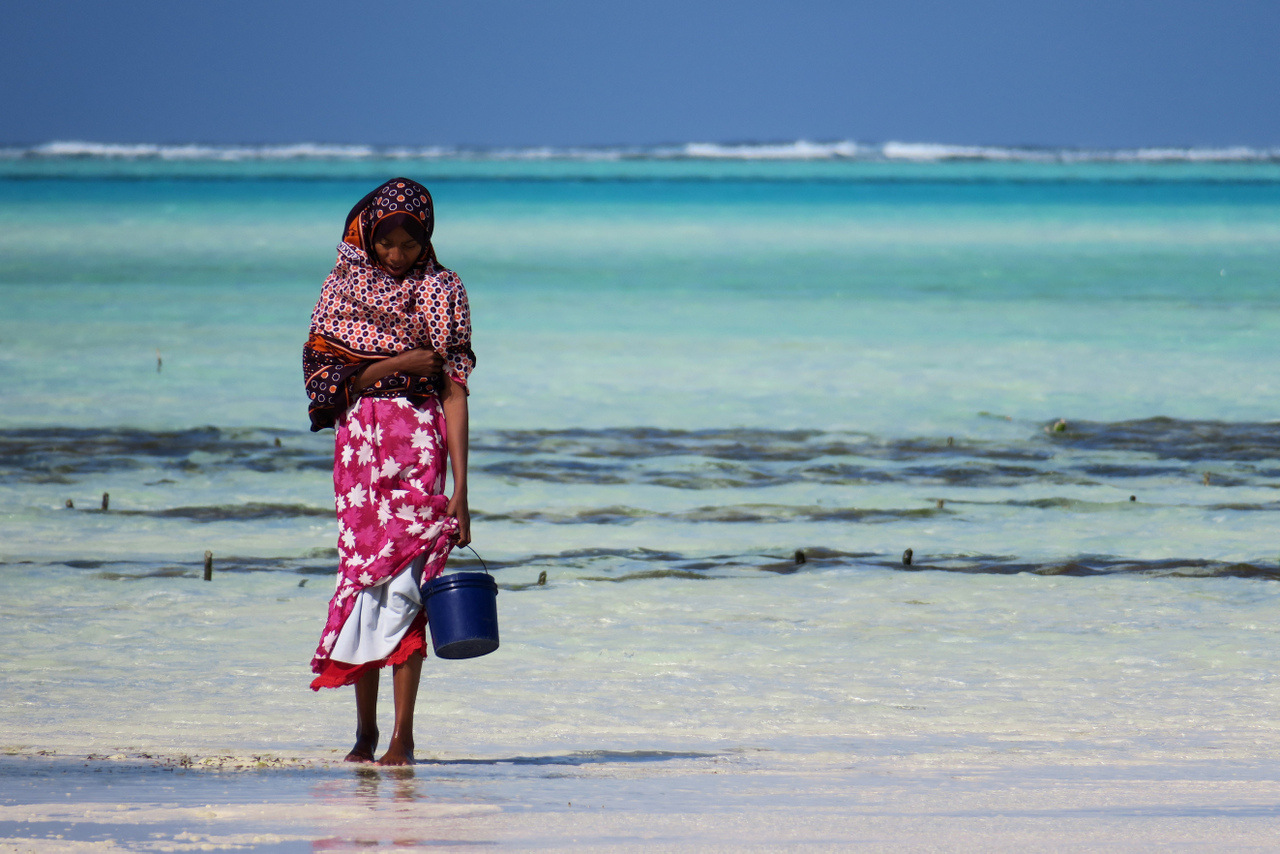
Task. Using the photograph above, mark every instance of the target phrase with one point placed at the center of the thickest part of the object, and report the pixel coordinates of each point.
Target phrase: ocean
(721, 391)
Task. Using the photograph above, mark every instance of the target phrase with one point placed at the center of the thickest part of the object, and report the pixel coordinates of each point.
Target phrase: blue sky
(500, 72)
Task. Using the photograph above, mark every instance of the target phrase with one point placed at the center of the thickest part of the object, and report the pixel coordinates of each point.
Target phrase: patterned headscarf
(365, 313)
(399, 202)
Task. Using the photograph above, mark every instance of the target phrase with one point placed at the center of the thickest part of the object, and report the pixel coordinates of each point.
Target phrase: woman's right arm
(418, 363)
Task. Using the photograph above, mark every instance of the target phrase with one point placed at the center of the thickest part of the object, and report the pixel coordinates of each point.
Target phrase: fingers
(421, 362)
(461, 535)
(457, 508)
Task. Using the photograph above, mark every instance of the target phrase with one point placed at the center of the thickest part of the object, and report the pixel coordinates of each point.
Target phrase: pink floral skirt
(388, 481)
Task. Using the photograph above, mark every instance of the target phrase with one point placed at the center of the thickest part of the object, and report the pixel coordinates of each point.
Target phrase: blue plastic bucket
(462, 613)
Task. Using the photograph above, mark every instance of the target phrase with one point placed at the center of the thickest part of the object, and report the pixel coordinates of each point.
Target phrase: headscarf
(364, 313)
(399, 203)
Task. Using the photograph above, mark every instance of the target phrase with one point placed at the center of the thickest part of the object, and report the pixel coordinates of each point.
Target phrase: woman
(387, 363)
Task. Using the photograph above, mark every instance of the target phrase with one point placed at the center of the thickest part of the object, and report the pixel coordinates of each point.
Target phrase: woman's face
(397, 252)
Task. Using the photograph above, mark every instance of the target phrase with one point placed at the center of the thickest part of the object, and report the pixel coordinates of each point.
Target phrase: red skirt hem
(335, 674)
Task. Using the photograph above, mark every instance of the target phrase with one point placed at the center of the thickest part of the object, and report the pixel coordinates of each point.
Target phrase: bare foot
(365, 745)
(398, 753)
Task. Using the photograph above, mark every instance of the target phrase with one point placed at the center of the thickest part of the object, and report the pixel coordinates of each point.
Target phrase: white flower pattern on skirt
(388, 482)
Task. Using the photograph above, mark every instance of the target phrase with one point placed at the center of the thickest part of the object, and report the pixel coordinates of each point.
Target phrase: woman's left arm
(454, 401)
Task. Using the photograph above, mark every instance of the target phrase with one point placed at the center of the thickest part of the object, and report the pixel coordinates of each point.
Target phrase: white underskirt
(380, 617)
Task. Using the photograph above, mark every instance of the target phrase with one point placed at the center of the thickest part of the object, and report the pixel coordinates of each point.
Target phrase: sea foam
(800, 150)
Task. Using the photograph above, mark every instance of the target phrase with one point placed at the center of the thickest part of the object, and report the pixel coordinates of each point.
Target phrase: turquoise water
(688, 371)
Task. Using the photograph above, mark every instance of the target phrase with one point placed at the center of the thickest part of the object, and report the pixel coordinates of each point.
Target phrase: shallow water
(716, 407)
(920, 705)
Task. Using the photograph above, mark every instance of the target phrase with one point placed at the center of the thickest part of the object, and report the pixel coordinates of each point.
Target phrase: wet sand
(722, 800)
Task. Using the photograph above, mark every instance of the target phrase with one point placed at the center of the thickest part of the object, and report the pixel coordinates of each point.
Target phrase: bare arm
(418, 363)
(454, 401)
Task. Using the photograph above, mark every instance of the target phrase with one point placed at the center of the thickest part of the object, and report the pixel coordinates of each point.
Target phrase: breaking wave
(803, 150)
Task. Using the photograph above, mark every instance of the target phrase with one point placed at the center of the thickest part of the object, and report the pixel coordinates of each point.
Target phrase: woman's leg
(366, 717)
(404, 678)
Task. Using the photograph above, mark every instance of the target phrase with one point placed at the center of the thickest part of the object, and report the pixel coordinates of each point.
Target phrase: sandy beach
(726, 801)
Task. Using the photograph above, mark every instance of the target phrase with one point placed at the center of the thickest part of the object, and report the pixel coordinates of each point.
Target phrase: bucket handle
(482, 563)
